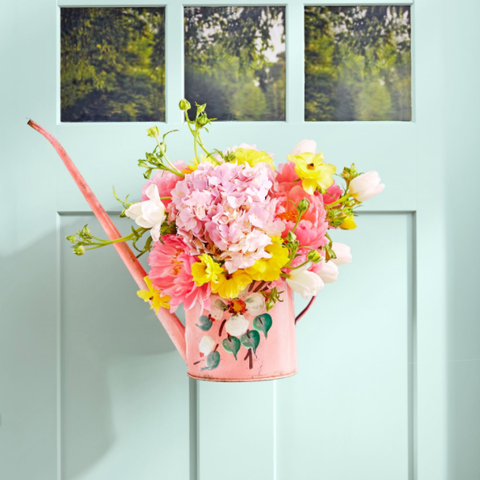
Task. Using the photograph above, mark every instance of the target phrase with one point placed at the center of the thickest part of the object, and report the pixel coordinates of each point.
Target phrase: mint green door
(388, 387)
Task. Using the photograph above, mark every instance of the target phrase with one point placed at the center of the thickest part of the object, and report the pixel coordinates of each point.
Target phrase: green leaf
(205, 323)
(232, 345)
(212, 361)
(263, 323)
(251, 339)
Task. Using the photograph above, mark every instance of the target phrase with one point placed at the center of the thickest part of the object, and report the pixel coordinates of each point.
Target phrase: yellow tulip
(313, 171)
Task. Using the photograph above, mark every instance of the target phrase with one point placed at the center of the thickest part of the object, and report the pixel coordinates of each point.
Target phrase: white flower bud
(366, 186)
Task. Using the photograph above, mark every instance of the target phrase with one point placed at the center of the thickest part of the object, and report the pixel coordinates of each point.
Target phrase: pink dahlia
(313, 226)
(165, 181)
(227, 211)
(170, 271)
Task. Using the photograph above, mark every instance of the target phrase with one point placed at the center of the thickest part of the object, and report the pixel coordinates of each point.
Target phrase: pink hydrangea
(170, 271)
(165, 181)
(313, 226)
(228, 211)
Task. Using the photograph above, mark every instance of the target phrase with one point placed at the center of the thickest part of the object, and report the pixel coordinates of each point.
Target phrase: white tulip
(255, 303)
(342, 252)
(207, 344)
(304, 282)
(305, 146)
(237, 325)
(329, 272)
(150, 213)
(366, 186)
(217, 307)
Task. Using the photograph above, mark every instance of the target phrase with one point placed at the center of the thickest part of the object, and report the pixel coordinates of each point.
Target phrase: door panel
(117, 366)
(347, 414)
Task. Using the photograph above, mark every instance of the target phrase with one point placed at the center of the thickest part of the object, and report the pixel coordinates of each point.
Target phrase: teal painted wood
(376, 395)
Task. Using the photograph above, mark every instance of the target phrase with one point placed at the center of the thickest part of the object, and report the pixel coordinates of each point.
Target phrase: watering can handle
(305, 310)
(170, 322)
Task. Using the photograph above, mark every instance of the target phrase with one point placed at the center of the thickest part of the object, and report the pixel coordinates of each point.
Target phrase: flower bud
(348, 223)
(291, 237)
(302, 206)
(86, 233)
(153, 132)
(201, 108)
(366, 186)
(79, 250)
(342, 254)
(329, 272)
(71, 238)
(202, 120)
(184, 105)
(163, 147)
(314, 256)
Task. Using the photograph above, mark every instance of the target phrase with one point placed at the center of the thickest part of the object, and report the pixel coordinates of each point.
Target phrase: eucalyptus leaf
(205, 323)
(212, 361)
(251, 339)
(231, 345)
(263, 323)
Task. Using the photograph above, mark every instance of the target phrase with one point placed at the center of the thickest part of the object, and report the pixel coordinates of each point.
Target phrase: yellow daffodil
(230, 285)
(348, 223)
(313, 171)
(269, 269)
(158, 301)
(252, 157)
(206, 270)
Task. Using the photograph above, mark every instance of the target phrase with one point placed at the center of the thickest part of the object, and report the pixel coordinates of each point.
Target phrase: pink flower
(165, 181)
(170, 271)
(313, 226)
(333, 193)
(227, 211)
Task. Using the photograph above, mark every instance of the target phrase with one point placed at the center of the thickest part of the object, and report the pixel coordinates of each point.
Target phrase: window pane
(112, 64)
(357, 63)
(235, 61)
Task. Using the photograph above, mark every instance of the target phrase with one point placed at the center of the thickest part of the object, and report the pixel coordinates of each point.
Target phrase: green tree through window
(357, 63)
(235, 61)
(112, 64)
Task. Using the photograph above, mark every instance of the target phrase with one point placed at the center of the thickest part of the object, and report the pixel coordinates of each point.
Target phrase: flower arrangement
(228, 232)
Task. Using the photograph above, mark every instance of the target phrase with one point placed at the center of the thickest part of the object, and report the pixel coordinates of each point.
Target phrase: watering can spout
(171, 323)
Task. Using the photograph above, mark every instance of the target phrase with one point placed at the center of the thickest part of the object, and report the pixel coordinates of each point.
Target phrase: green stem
(103, 243)
(298, 221)
(340, 200)
(299, 266)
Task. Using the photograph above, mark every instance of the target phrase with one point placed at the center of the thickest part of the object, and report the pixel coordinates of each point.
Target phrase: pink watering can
(209, 352)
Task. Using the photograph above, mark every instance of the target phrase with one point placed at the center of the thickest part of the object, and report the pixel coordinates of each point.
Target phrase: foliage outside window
(112, 64)
(357, 63)
(235, 61)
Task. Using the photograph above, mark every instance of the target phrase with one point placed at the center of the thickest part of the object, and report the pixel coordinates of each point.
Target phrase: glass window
(235, 61)
(357, 63)
(112, 64)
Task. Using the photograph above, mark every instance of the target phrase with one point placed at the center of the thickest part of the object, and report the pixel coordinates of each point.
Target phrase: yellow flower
(154, 295)
(203, 159)
(252, 157)
(313, 171)
(230, 285)
(269, 269)
(206, 270)
(348, 223)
